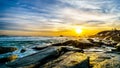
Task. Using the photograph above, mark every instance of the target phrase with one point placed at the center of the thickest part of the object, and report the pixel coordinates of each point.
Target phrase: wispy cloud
(58, 15)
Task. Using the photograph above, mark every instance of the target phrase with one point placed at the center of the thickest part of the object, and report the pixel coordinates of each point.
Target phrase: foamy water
(27, 43)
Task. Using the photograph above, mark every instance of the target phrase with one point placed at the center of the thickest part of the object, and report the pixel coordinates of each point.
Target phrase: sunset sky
(58, 17)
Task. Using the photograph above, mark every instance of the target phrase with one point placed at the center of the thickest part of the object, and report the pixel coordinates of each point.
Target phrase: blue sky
(58, 15)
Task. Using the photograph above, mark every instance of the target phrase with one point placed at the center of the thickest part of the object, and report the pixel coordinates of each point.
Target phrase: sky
(58, 17)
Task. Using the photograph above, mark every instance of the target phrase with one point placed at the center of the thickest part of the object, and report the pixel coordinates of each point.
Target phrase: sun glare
(78, 30)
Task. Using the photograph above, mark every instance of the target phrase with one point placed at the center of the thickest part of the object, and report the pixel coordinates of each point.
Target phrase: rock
(108, 64)
(109, 35)
(98, 44)
(69, 60)
(75, 43)
(10, 58)
(40, 47)
(110, 43)
(118, 47)
(91, 40)
(37, 58)
(114, 50)
(7, 49)
(71, 48)
(107, 38)
(83, 45)
(23, 50)
(115, 38)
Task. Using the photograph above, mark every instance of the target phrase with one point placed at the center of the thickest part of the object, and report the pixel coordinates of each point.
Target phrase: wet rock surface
(23, 50)
(8, 59)
(69, 60)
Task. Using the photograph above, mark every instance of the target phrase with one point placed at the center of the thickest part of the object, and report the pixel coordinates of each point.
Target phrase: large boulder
(75, 43)
(40, 47)
(69, 60)
(9, 58)
(23, 50)
(7, 49)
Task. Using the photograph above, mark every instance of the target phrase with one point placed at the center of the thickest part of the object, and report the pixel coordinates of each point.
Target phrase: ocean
(27, 43)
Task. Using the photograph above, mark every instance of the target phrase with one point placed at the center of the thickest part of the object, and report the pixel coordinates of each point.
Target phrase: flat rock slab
(69, 60)
(35, 58)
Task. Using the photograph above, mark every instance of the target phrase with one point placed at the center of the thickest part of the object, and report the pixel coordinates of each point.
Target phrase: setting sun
(78, 30)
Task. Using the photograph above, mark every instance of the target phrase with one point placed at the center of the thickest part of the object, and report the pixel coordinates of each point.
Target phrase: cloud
(104, 6)
(56, 15)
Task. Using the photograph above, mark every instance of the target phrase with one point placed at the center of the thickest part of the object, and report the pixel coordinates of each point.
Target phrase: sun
(78, 30)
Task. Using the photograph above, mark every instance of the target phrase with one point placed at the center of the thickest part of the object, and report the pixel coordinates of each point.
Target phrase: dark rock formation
(75, 43)
(109, 35)
(10, 58)
(7, 49)
(40, 47)
(118, 47)
(69, 60)
(23, 50)
(91, 40)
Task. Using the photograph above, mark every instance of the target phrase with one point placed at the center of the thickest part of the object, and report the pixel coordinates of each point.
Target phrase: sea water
(27, 43)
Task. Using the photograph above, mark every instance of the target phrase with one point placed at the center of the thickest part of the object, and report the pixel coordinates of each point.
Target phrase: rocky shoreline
(82, 53)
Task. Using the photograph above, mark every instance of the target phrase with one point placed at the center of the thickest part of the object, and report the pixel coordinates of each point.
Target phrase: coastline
(95, 51)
